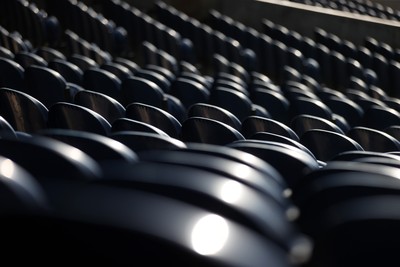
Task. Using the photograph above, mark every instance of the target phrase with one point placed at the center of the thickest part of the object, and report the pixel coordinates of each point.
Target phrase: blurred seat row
(369, 8)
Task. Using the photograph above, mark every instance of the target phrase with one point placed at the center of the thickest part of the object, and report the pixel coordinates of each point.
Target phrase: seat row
(188, 189)
(45, 204)
(368, 8)
(95, 112)
(206, 40)
(30, 21)
(326, 58)
(142, 27)
(91, 26)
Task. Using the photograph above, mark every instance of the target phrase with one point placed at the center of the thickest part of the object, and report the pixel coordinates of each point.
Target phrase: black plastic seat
(132, 66)
(303, 123)
(355, 155)
(359, 162)
(314, 107)
(49, 54)
(294, 90)
(279, 58)
(270, 137)
(209, 131)
(367, 103)
(50, 160)
(142, 141)
(187, 67)
(46, 85)
(394, 70)
(374, 140)
(381, 161)
(346, 108)
(201, 193)
(273, 101)
(20, 191)
(6, 128)
(83, 62)
(174, 106)
(266, 183)
(377, 93)
(27, 59)
(260, 82)
(380, 118)
(70, 72)
(327, 144)
(161, 70)
(100, 222)
(325, 93)
(393, 102)
(6, 53)
(214, 112)
(254, 124)
(154, 116)
(98, 147)
(280, 157)
(124, 124)
(381, 66)
(102, 81)
(393, 131)
(122, 72)
(340, 73)
(196, 77)
(189, 92)
(232, 100)
(11, 75)
(342, 181)
(322, 56)
(141, 90)
(24, 112)
(239, 157)
(104, 105)
(226, 81)
(367, 227)
(155, 77)
(70, 116)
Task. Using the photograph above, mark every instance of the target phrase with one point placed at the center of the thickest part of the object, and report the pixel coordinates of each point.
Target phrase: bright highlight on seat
(7, 168)
(210, 234)
(231, 191)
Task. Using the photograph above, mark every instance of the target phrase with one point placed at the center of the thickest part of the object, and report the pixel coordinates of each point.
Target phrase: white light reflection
(76, 154)
(7, 168)
(242, 171)
(231, 191)
(210, 234)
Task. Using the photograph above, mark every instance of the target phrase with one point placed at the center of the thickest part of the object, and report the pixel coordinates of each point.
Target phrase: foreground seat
(99, 147)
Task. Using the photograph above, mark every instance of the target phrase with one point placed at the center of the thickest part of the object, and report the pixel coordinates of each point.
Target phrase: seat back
(209, 131)
(24, 112)
(70, 116)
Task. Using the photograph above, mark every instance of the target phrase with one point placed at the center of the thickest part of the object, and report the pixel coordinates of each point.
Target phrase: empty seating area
(362, 7)
(133, 136)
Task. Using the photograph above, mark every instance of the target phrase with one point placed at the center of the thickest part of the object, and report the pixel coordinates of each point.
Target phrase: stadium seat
(209, 131)
(70, 116)
(46, 85)
(104, 105)
(154, 116)
(24, 112)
